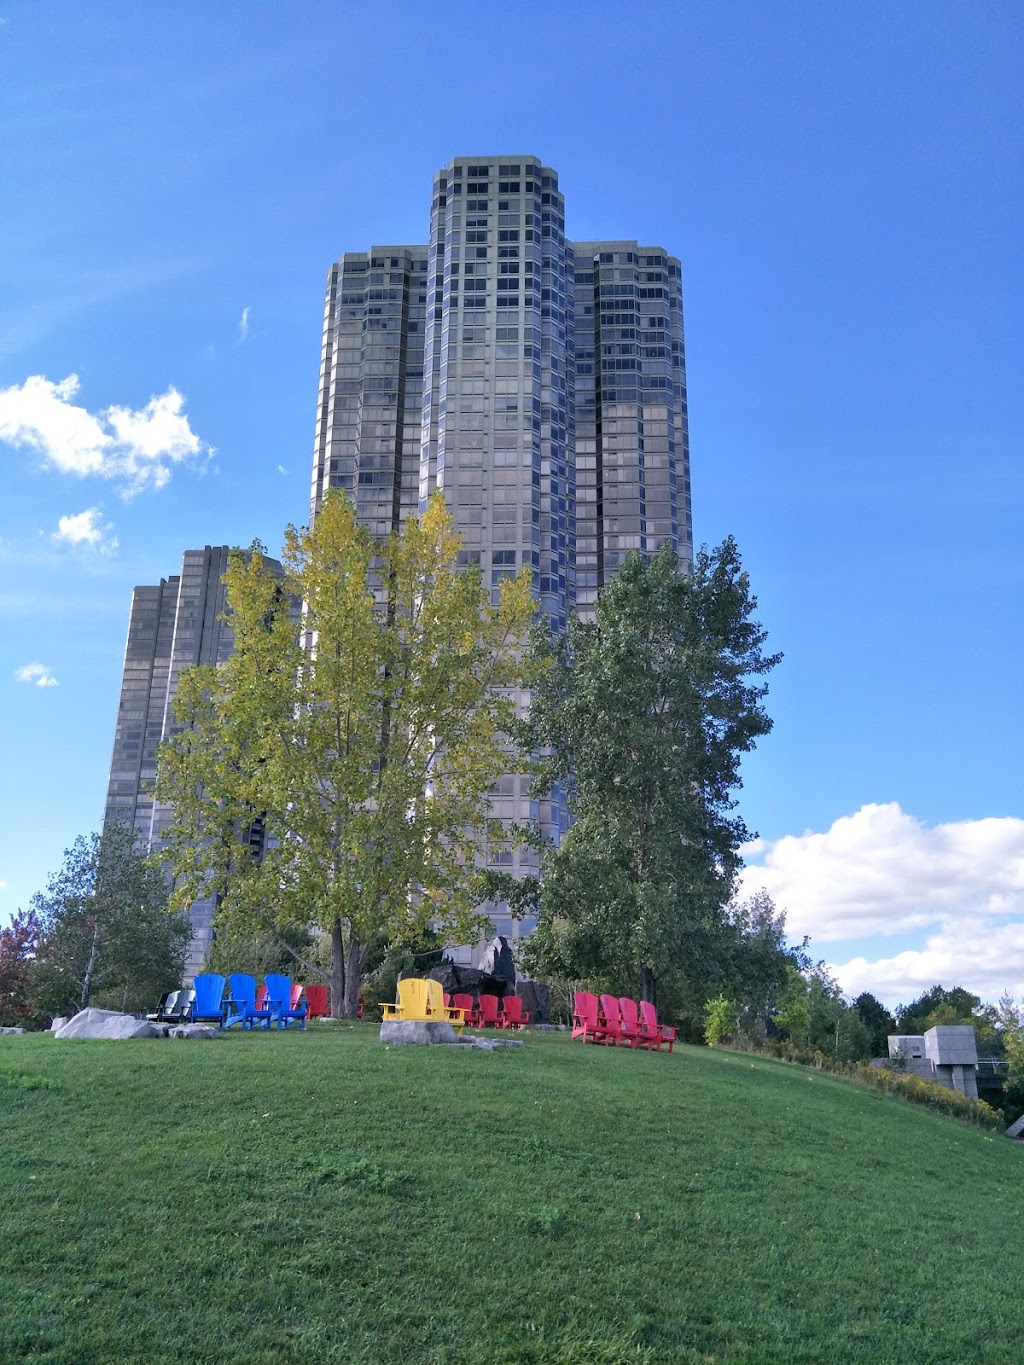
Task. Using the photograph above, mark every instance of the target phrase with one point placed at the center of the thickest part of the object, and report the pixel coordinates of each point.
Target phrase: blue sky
(842, 182)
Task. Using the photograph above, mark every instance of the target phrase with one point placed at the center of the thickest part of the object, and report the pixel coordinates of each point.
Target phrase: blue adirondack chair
(209, 990)
(242, 1003)
(279, 998)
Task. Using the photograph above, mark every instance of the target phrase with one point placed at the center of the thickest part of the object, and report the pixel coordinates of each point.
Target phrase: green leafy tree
(878, 1022)
(365, 747)
(644, 714)
(954, 1005)
(1011, 1027)
(814, 1014)
(793, 1012)
(721, 1020)
(756, 960)
(105, 933)
(256, 949)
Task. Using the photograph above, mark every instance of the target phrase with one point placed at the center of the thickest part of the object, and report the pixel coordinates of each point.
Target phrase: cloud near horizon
(880, 872)
(138, 448)
(86, 528)
(37, 674)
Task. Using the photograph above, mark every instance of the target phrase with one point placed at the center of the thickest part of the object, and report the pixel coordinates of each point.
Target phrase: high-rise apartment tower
(174, 625)
(538, 382)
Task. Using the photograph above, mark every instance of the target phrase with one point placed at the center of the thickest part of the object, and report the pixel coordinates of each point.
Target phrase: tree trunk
(337, 971)
(353, 976)
(90, 966)
(648, 986)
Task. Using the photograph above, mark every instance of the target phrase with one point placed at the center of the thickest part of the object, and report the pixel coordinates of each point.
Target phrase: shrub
(721, 1020)
(890, 1081)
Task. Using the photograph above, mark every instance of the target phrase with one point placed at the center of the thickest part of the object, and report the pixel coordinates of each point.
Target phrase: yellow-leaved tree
(364, 739)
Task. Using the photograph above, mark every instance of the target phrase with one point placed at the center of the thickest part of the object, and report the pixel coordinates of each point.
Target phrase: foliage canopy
(364, 739)
(644, 714)
(104, 932)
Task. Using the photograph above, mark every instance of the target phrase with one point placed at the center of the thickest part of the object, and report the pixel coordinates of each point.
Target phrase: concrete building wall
(946, 1054)
(172, 626)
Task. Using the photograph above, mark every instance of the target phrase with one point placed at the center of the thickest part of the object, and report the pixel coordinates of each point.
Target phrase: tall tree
(18, 943)
(755, 967)
(104, 928)
(814, 1014)
(366, 748)
(877, 1020)
(644, 713)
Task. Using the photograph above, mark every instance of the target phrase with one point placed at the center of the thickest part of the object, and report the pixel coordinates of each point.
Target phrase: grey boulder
(193, 1031)
(402, 1031)
(93, 1023)
(58, 1023)
(12, 1030)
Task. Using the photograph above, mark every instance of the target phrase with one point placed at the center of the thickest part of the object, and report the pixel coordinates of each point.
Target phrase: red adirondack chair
(664, 1033)
(488, 1011)
(316, 1001)
(647, 1032)
(630, 1022)
(512, 1015)
(612, 1019)
(261, 997)
(297, 996)
(586, 1018)
(464, 1001)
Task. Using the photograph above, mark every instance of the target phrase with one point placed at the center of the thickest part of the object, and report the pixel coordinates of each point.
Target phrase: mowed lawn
(317, 1197)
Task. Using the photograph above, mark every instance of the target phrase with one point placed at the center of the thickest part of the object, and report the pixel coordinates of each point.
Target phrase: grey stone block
(485, 1044)
(907, 1045)
(1016, 1129)
(93, 1023)
(951, 1045)
(203, 1031)
(58, 1023)
(12, 1030)
(402, 1031)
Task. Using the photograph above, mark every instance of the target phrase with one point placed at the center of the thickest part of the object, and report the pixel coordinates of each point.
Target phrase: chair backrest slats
(209, 992)
(243, 989)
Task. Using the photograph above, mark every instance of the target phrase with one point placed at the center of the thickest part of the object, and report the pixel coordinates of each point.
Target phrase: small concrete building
(947, 1054)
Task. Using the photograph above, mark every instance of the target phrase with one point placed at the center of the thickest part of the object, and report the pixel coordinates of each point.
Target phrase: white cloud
(281, 469)
(36, 673)
(243, 325)
(86, 528)
(960, 886)
(136, 447)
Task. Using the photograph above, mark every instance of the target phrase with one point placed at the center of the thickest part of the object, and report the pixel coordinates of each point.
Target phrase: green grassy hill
(317, 1198)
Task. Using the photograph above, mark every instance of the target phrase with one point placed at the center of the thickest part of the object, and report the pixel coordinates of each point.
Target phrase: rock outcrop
(93, 1023)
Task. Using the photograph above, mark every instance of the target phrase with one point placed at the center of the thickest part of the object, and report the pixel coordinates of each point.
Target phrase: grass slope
(292, 1197)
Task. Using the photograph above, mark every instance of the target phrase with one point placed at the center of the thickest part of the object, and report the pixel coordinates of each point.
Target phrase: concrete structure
(538, 382)
(947, 1054)
(172, 626)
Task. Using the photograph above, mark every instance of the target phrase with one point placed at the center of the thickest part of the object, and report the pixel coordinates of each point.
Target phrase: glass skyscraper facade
(173, 625)
(538, 382)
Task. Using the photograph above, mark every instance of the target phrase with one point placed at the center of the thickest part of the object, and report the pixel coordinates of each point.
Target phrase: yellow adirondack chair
(438, 1009)
(419, 998)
